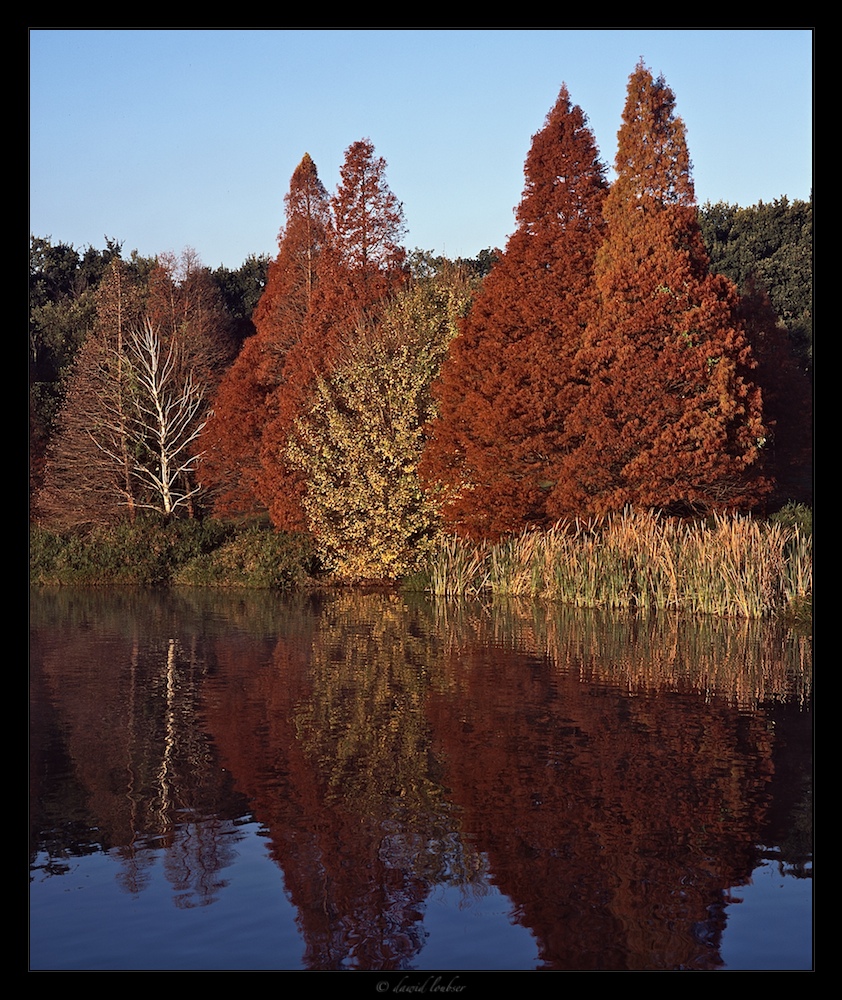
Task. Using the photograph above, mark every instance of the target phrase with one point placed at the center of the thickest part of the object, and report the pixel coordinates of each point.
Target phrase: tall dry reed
(734, 566)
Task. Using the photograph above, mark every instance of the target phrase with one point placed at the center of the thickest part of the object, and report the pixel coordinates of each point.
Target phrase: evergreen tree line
(626, 348)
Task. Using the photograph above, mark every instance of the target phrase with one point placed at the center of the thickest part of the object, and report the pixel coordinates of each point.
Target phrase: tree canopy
(625, 348)
(510, 380)
(671, 418)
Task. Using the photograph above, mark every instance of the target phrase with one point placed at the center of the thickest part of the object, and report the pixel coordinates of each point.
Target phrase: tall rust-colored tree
(280, 313)
(672, 419)
(509, 380)
(246, 401)
(362, 263)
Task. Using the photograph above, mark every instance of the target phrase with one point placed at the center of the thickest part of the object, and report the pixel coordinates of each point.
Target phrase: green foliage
(154, 552)
(62, 283)
(241, 291)
(147, 552)
(795, 515)
(256, 558)
(771, 245)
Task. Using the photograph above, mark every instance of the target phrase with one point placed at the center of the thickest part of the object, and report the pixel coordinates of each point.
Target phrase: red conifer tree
(361, 264)
(245, 400)
(671, 419)
(509, 382)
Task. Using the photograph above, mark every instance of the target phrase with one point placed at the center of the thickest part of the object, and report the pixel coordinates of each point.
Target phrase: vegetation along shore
(614, 410)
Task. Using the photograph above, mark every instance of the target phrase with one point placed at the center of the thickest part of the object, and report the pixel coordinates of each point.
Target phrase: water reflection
(613, 777)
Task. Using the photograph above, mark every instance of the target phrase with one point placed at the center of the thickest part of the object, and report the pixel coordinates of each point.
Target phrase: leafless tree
(157, 419)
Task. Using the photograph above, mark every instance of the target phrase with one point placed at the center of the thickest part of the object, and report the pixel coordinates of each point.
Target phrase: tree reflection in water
(613, 777)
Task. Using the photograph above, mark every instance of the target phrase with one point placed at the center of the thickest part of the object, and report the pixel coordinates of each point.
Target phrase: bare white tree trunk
(165, 420)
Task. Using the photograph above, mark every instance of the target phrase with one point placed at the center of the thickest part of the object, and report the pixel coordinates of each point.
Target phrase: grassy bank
(150, 552)
(728, 566)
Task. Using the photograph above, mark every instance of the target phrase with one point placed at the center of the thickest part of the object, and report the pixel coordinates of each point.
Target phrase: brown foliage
(280, 313)
(671, 418)
(185, 305)
(338, 260)
(81, 484)
(510, 378)
(91, 473)
(361, 263)
(233, 439)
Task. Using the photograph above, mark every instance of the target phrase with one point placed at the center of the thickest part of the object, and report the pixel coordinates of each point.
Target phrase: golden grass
(734, 566)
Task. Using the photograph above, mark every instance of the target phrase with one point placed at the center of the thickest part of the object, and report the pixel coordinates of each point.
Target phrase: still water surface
(371, 781)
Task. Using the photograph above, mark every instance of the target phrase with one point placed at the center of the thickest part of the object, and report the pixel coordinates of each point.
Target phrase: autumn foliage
(600, 363)
(358, 443)
(510, 377)
(246, 400)
(671, 418)
(125, 439)
(361, 264)
(339, 260)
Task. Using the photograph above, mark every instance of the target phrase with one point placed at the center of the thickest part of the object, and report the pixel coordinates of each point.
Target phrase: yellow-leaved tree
(362, 433)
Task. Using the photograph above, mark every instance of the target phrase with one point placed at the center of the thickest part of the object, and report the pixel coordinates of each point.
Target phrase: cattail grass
(733, 566)
(456, 568)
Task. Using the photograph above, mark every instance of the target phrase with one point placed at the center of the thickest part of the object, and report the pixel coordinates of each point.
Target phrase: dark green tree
(768, 246)
(241, 290)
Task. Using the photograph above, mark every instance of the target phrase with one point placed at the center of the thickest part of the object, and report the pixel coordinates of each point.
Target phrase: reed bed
(734, 566)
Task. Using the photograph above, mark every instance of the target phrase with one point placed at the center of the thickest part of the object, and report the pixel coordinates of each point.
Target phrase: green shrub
(154, 552)
(255, 558)
(795, 515)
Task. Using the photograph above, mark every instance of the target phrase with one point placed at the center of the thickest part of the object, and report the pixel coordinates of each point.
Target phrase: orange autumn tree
(361, 265)
(672, 419)
(509, 380)
(245, 401)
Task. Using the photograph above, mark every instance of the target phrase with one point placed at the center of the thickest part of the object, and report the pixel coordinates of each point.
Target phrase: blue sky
(169, 138)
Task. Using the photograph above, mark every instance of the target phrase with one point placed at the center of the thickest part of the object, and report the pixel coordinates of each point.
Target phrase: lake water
(387, 783)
